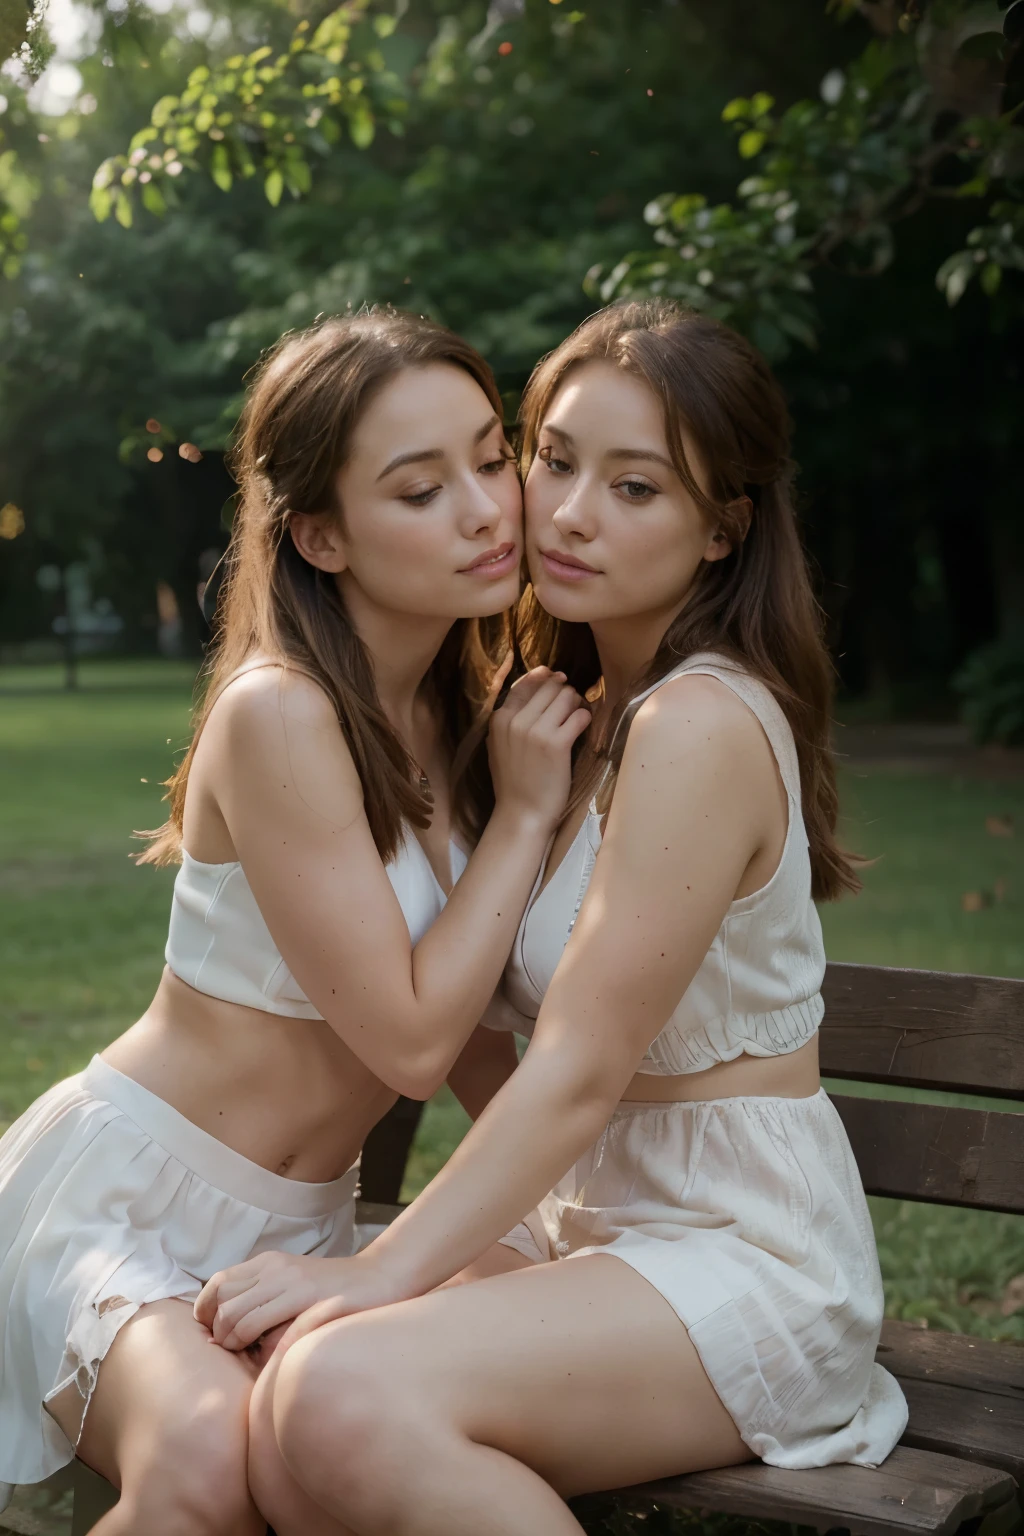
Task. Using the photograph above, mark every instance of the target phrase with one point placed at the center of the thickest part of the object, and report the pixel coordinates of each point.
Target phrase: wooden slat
(912, 1492)
(928, 1354)
(924, 1029)
(944, 1156)
(980, 1426)
(966, 1395)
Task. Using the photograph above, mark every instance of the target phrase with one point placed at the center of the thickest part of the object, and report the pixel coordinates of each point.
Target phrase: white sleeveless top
(219, 943)
(758, 989)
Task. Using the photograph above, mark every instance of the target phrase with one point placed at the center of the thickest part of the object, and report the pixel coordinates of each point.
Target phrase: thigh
(578, 1368)
(163, 1389)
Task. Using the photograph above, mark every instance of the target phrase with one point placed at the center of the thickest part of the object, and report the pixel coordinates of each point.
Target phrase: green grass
(82, 929)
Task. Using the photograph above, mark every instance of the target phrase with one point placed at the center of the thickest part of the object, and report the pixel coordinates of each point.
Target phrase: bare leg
(286, 1505)
(168, 1426)
(281, 1500)
(474, 1411)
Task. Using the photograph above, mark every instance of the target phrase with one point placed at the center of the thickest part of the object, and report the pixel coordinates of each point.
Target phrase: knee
(340, 1416)
(195, 1481)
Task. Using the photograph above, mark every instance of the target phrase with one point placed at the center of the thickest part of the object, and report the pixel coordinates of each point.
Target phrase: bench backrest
(930, 1029)
(912, 1029)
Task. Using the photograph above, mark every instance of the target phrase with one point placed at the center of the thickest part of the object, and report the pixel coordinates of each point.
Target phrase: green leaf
(273, 186)
(761, 104)
(162, 111)
(220, 168)
(123, 210)
(153, 199)
(991, 277)
(738, 107)
(751, 143)
(384, 25)
(361, 127)
(99, 202)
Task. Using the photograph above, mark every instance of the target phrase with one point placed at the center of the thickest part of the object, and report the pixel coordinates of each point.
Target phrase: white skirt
(110, 1199)
(748, 1215)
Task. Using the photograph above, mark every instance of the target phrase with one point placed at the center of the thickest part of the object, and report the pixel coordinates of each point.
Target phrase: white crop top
(757, 990)
(219, 943)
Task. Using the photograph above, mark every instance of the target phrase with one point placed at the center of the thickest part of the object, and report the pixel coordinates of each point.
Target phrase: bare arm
(291, 799)
(696, 801)
(484, 1065)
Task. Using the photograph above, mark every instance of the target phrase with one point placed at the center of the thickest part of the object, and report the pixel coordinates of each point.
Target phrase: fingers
(525, 689)
(225, 1285)
(238, 1331)
(574, 726)
(545, 705)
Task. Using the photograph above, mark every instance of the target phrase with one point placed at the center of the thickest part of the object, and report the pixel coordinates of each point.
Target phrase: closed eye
(421, 498)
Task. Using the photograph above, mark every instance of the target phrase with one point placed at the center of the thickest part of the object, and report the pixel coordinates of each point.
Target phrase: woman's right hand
(529, 745)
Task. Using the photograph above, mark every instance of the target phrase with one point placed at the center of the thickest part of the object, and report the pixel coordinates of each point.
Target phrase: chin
(496, 597)
(564, 601)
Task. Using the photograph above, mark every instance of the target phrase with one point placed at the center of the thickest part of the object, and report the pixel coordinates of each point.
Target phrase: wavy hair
(756, 605)
(294, 435)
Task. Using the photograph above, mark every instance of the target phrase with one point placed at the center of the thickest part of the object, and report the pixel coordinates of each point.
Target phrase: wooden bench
(960, 1465)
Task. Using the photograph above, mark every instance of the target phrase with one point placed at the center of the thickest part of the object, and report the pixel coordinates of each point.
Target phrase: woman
(321, 957)
(672, 956)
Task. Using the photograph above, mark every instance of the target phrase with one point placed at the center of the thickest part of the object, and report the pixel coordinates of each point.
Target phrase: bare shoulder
(277, 715)
(259, 700)
(696, 714)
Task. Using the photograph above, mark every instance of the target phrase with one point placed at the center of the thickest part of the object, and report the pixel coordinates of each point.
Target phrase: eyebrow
(646, 454)
(424, 455)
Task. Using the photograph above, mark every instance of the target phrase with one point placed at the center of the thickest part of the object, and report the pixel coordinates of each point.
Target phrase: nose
(574, 518)
(479, 512)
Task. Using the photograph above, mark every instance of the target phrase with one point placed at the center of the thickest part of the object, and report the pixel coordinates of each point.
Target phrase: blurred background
(180, 184)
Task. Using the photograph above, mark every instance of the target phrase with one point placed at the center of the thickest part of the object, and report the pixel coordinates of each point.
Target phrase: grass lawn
(82, 930)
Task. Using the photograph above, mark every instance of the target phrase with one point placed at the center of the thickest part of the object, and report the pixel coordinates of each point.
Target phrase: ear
(318, 538)
(721, 543)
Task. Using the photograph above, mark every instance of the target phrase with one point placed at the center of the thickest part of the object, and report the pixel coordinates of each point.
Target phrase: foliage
(924, 113)
(991, 683)
(262, 113)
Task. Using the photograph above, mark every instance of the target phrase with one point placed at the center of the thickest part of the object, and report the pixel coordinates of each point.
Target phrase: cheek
(654, 558)
(542, 498)
(507, 493)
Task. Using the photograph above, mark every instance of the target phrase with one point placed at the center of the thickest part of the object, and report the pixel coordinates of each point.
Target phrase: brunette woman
(669, 968)
(314, 969)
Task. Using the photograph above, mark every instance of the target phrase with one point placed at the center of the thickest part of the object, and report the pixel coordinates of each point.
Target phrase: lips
(493, 562)
(566, 567)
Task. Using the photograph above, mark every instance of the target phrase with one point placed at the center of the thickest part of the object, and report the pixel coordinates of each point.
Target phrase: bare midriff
(286, 1093)
(794, 1076)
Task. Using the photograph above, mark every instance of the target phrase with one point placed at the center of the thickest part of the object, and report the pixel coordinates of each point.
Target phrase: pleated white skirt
(110, 1199)
(749, 1217)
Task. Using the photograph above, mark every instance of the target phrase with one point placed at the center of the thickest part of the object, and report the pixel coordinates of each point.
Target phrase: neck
(627, 646)
(402, 648)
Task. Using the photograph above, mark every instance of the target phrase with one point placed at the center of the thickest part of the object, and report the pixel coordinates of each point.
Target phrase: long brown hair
(294, 435)
(755, 605)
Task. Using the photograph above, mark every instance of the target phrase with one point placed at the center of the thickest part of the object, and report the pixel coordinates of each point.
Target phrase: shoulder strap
(756, 696)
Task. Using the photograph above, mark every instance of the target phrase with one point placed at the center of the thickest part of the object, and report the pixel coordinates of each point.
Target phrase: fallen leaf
(190, 452)
(152, 425)
(974, 901)
(999, 826)
(154, 455)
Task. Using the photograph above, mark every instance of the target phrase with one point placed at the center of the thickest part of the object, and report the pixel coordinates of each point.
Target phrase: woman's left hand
(239, 1305)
